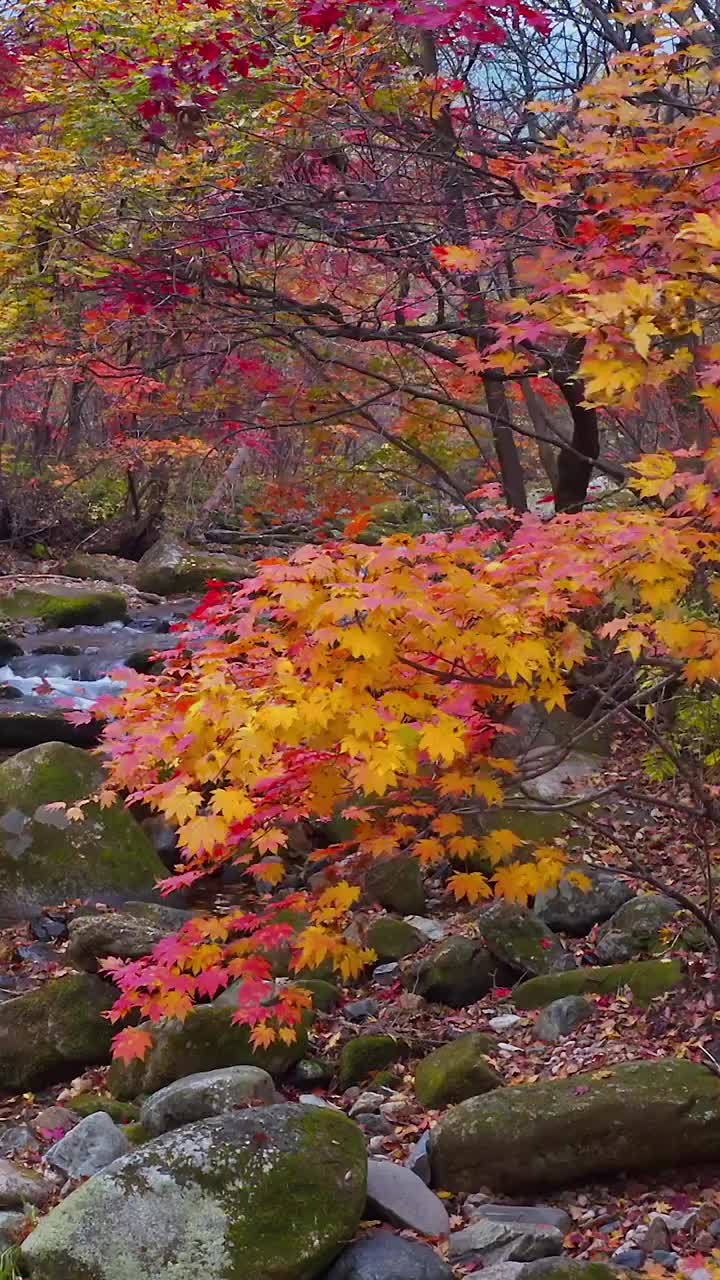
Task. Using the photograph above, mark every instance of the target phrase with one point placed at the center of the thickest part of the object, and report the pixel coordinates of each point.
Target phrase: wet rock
(254, 1195)
(172, 568)
(49, 1034)
(208, 1093)
(633, 1259)
(383, 1256)
(397, 1195)
(635, 928)
(456, 1071)
(91, 1146)
(20, 1186)
(561, 1017)
(396, 884)
(575, 910)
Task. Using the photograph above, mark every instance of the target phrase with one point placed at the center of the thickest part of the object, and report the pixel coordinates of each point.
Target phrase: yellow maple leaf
(469, 884)
(500, 844)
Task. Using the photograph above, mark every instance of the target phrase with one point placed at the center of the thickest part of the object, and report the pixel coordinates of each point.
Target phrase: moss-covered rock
(87, 1104)
(393, 939)
(66, 607)
(645, 978)
(325, 995)
(397, 885)
(364, 1055)
(575, 910)
(207, 1039)
(635, 929)
(631, 1118)
(457, 972)
(44, 856)
(521, 940)
(254, 1195)
(456, 1071)
(54, 1032)
(100, 568)
(172, 568)
(93, 938)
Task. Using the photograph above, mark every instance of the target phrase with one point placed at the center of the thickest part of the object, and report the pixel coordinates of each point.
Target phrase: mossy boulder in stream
(272, 1194)
(55, 1032)
(632, 1118)
(171, 568)
(206, 1040)
(66, 606)
(44, 856)
(645, 978)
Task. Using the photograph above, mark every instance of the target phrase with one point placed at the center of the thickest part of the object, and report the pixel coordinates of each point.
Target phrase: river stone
(93, 938)
(364, 1055)
(456, 1071)
(574, 910)
(206, 1040)
(52, 1033)
(205, 1094)
(45, 857)
(100, 568)
(30, 721)
(172, 568)
(632, 1118)
(254, 1195)
(397, 1195)
(635, 928)
(383, 1256)
(561, 1017)
(645, 978)
(491, 1241)
(20, 1186)
(64, 605)
(458, 972)
(541, 1215)
(393, 939)
(92, 1145)
(396, 884)
(521, 940)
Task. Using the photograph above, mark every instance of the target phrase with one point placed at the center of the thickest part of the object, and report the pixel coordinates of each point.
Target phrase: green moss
(46, 1035)
(87, 1104)
(365, 1054)
(518, 938)
(393, 939)
(456, 1071)
(325, 996)
(87, 608)
(645, 978)
(136, 1134)
(396, 884)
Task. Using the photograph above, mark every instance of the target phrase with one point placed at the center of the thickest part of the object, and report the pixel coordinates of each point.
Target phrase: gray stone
(367, 1101)
(51, 1033)
(172, 568)
(91, 1146)
(457, 972)
(11, 1225)
(542, 1215)
(385, 974)
(53, 1122)
(431, 930)
(633, 1259)
(316, 1100)
(93, 938)
(634, 929)
(383, 1256)
(518, 938)
(666, 1257)
(396, 884)
(372, 1125)
(359, 1010)
(504, 1021)
(207, 1093)
(492, 1241)
(561, 1017)
(656, 1235)
(20, 1186)
(418, 1160)
(253, 1195)
(398, 1196)
(16, 1137)
(574, 910)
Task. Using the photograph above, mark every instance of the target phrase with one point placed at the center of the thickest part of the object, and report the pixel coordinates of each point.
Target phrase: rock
(521, 940)
(561, 1017)
(91, 1146)
(567, 1269)
(634, 1117)
(359, 1010)
(16, 1137)
(493, 1241)
(541, 1215)
(172, 568)
(366, 1054)
(33, 721)
(457, 972)
(20, 1186)
(253, 1195)
(367, 1101)
(396, 884)
(398, 1196)
(54, 1121)
(315, 1100)
(157, 914)
(645, 978)
(574, 910)
(431, 930)
(633, 1259)
(9, 648)
(456, 1071)
(418, 1160)
(206, 1040)
(655, 1236)
(49, 1034)
(504, 1270)
(101, 568)
(63, 606)
(635, 928)
(313, 1071)
(93, 938)
(325, 995)
(393, 939)
(666, 1257)
(12, 1226)
(374, 1126)
(383, 1256)
(208, 1093)
(504, 1021)
(386, 974)
(87, 1104)
(46, 857)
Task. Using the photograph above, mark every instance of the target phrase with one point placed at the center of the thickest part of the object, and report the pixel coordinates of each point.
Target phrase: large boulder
(635, 928)
(31, 720)
(645, 978)
(44, 855)
(397, 884)
(255, 1195)
(206, 1040)
(63, 605)
(94, 938)
(575, 910)
(172, 568)
(208, 1093)
(54, 1032)
(632, 1118)
(521, 940)
(100, 568)
(457, 972)
(364, 1055)
(393, 939)
(456, 1071)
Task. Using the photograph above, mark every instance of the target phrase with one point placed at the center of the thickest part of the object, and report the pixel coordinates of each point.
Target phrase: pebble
(315, 1100)
(634, 1259)
(368, 1101)
(386, 974)
(359, 1010)
(504, 1021)
(488, 1242)
(374, 1125)
(418, 1160)
(432, 930)
(376, 1146)
(714, 1228)
(541, 1215)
